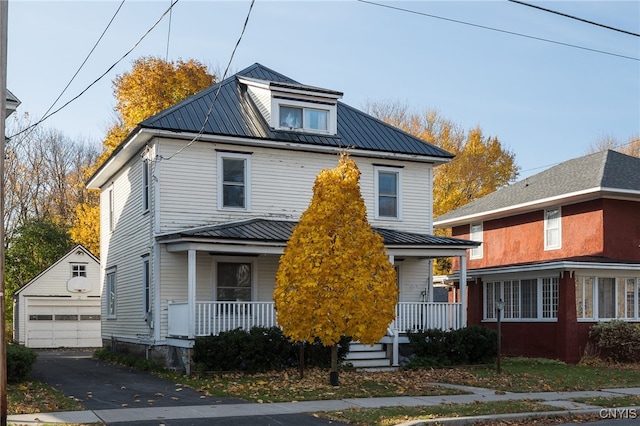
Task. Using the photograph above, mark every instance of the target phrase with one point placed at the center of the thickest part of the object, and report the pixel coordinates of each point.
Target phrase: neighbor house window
(475, 234)
(524, 299)
(552, 229)
(146, 185)
(234, 281)
(599, 298)
(78, 270)
(387, 192)
(234, 182)
(111, 292)
(146, 285)
(293, 117)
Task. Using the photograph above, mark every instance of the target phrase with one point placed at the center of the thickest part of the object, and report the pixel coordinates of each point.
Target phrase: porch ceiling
(258, 235)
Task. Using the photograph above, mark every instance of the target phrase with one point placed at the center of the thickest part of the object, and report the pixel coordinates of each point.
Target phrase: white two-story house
(198, 202)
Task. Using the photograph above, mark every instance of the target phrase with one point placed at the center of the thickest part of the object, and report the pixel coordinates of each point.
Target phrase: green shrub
(616, 340)
(20, 360)
(466, 346)
(258, 350)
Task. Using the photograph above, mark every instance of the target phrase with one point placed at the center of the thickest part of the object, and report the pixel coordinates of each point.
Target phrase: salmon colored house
(560, 250)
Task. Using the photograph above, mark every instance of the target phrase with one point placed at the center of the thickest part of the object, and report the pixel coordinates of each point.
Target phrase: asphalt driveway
(99, 386)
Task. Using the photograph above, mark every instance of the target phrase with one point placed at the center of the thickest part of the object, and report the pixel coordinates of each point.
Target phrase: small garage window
(66, 317)
(89, 317)
(78, 270)
(40, 317)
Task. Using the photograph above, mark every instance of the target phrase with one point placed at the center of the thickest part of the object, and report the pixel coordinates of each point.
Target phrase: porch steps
(368, 357)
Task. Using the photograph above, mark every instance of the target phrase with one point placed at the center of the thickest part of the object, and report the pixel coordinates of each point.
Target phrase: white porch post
(191, 292)
(430, 282)
(463, 290)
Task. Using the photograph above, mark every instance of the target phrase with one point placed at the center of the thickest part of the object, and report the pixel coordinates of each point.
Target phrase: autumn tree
(631, 147)
(334, 271)
(481, 164)
(151, 86)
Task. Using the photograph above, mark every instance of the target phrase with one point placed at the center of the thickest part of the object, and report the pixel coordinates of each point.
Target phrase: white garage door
(63, 323)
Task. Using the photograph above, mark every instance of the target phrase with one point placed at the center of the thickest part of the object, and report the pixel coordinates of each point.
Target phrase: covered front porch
(228, 276)
(212, 317)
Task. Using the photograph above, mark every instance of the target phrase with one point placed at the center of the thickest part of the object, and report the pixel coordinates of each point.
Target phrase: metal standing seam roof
(279, 231)
(235, 114)
(608, 170)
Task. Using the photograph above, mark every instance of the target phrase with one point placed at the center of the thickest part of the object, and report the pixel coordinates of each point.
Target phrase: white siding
(282, 185)
(123, 248)
(414, 274)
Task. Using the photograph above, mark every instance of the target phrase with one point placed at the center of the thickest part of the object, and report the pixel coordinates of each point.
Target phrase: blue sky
(545, 101)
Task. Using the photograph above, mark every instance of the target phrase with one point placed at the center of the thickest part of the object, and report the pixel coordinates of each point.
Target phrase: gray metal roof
(606, 171)
(279, 231)
(234, 114)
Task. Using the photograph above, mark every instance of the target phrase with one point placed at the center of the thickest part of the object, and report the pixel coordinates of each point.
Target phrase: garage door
(63, 323)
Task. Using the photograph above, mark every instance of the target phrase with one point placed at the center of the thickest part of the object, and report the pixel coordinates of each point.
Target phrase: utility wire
(45, 117)
(166, 57)
(215, 97)
(497, 30)
(575, 17)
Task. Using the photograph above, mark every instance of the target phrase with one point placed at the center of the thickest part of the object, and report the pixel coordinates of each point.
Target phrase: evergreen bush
(20, 360)
(616, 340)
(467, 346)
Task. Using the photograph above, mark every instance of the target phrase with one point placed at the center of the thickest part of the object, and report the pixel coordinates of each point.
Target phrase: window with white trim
(234, 281)
(476, 234)
(234, 181)
(552, 228)
(604, 298)
(110, 286)
(146, 285)
(303, 118)
(146, 185)
(78, 270)
(387, 192)
(111, 209)
(534, 299)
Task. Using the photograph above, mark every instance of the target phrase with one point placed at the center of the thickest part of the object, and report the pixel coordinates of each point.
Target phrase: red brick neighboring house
(561, 249)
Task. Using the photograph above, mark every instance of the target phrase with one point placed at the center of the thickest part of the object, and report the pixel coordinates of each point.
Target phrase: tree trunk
(333, 374)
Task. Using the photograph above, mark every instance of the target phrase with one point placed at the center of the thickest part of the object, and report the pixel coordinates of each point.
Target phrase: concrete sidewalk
(557, 399)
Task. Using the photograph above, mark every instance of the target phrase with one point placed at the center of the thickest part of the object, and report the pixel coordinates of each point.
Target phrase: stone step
(359, 347)
(370, 363)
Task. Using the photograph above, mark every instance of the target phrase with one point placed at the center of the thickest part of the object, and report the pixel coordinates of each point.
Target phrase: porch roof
(264, 235)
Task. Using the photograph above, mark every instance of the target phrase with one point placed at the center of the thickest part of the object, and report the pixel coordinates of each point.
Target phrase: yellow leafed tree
(334, 278)
(151, 86)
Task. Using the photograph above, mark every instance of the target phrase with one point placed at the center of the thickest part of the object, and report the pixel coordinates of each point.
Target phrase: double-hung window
(234, 281)
(534, 299)
(552, 229)
(146, 284)
(387, 192)
(604, 298)
(234, 181)
(475, 234)
(146, 185)
(111, 292)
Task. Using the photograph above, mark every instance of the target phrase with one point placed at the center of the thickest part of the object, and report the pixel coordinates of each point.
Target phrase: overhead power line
(415, 12)
(575, 17)
(45, 117)
(215, 97)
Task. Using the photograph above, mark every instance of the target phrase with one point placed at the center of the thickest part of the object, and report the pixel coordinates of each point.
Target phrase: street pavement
(117, 395)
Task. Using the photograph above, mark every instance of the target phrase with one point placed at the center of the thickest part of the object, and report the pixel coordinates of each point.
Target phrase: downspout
(155, 199)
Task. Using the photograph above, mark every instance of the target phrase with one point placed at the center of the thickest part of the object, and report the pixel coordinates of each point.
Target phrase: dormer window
(304, 118)
(295, 107)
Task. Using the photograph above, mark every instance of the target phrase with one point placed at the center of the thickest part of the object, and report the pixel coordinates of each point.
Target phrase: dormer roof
(12, 103)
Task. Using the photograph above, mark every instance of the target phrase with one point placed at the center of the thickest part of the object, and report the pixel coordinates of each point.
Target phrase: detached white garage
(61, 306)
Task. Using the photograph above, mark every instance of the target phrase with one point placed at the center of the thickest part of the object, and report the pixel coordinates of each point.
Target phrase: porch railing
(216, 317)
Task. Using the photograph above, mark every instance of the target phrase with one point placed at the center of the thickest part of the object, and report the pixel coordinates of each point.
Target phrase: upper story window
(387, 192)
(78, 270)
(552, 229)
(111, 209)
(476, 234)
(304, 118)
(295, 107)
(234, 181)
(146, 185)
